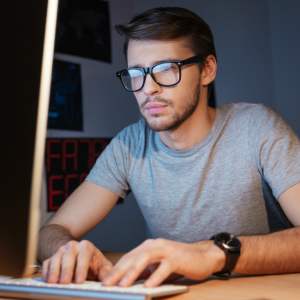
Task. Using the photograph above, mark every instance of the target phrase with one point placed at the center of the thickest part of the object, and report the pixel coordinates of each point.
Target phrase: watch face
(229, 241)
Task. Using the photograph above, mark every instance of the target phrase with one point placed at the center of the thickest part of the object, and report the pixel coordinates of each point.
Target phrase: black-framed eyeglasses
(166, 73)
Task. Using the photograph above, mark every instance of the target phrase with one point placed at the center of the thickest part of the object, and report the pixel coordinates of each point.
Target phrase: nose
(150, 86)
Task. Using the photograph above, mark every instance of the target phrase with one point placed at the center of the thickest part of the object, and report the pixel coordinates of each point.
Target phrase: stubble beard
(178, 117)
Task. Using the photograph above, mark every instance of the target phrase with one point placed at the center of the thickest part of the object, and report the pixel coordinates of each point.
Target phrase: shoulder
(264, 126)
(247, 114)
(266, 120)
(241, 109)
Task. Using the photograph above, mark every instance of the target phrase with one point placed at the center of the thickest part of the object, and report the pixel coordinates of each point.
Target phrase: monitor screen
(27, 43)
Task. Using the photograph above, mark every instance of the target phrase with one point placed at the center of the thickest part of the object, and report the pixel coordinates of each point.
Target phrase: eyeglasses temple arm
(194, 59)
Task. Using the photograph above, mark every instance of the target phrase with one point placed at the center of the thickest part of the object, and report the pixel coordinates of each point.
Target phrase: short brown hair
(170, 23)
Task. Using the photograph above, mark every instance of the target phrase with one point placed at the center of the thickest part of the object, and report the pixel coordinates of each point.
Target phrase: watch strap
(230, 263)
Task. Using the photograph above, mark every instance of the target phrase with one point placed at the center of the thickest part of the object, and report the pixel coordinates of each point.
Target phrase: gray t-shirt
(230, 181)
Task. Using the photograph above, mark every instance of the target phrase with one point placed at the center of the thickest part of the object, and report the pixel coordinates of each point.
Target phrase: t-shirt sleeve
(275, 149)
(109, 170)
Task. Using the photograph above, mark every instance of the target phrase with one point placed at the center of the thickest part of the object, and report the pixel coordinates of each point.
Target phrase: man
(194, 170)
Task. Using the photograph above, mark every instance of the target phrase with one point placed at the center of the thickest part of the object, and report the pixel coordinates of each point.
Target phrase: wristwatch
(231, 245)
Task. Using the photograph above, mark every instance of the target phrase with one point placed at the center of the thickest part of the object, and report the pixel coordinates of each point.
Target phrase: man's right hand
(78, 261)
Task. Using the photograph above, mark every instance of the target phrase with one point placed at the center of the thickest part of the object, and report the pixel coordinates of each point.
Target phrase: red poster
(68, 162)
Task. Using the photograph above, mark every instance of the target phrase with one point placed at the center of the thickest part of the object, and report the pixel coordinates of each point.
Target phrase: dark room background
(258, 46)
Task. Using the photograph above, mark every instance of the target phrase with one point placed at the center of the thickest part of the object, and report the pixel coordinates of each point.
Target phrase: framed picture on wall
(65, 107)
(83, 29)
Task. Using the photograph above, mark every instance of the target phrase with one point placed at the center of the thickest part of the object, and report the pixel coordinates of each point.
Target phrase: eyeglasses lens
(165, 74)
(133, 79)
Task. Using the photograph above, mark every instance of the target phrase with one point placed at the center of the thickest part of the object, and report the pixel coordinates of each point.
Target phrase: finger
(45, 269)
(140, 264)
(84, 259)
(116, 273)
(103, 271)
(166, 268)
(68, 264)
(54, 266)
(148, 271)
(119, 270)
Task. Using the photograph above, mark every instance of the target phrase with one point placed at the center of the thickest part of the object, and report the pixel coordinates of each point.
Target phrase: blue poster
(65, 108)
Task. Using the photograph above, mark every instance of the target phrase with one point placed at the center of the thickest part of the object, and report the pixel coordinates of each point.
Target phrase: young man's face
(165, 108)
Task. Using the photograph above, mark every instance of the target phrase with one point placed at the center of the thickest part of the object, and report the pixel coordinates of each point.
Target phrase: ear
(209, 70)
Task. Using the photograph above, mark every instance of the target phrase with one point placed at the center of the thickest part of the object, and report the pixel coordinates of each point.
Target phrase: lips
(155, 108)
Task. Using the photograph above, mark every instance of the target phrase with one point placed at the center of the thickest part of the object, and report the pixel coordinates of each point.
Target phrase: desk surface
(272, 287)
(239, 287)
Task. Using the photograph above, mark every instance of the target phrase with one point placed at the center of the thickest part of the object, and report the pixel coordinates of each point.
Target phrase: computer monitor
(27, 44)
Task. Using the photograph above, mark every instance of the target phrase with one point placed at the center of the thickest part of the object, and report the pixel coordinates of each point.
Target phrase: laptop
(27, 40)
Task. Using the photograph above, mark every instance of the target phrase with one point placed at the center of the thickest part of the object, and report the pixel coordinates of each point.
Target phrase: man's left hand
(161, 258)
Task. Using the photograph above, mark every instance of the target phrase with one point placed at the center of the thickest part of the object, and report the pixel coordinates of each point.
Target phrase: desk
(271, 287)
(238, 287)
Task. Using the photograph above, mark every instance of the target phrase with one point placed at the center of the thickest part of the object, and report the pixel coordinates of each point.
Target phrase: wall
(107, 109)
(241, 33)
(285, 43)
(258, 46)
(258, 61)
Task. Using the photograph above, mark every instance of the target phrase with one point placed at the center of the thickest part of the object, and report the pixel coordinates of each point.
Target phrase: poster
(68, 162)
(83, 29)
(65, 107)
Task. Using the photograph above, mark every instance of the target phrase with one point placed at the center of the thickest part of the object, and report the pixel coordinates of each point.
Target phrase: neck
(192, 131)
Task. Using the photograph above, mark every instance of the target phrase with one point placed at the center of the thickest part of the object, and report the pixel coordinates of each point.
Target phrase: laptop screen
(27, 43)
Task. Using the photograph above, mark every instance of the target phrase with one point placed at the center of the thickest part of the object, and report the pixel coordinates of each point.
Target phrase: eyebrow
(154, 62)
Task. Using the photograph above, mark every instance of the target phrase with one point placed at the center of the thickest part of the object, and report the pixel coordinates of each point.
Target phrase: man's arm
(278, 252)
(273, 253)
(58, 247)
(51, 238)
